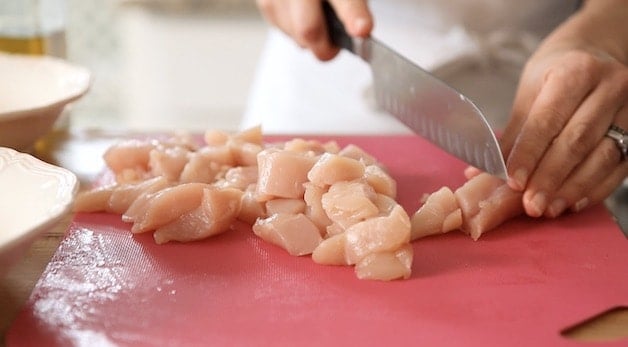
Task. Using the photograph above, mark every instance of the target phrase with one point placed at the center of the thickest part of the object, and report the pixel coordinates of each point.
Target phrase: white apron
(477, 46)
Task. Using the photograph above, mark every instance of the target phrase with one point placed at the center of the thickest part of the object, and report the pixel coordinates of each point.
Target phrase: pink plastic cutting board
(519, 285)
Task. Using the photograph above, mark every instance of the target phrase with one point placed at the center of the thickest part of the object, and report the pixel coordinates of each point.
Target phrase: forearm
(600, 25)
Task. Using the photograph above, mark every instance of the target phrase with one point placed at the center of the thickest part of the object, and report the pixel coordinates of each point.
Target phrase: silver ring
(621, 139)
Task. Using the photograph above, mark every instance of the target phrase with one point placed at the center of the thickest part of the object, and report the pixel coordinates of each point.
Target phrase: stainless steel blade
(424, 103)
(431, 108)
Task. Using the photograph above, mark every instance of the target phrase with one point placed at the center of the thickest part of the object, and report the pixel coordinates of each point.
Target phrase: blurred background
(164, 64)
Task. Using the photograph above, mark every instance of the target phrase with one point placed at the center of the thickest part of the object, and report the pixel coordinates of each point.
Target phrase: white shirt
(477, 46)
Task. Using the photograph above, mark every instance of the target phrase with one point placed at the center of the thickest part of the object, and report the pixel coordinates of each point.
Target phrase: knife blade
(425, 104)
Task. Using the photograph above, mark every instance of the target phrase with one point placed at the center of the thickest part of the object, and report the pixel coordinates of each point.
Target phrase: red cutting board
(519, 285)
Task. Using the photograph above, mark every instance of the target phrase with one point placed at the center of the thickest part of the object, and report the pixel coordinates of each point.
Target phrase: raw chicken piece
(286, 206)
(215, 214)
(214, 138)
(234, 149)
(244, 153)
(251, 135)
(314, 207)
(475, 190)
(93, 200)
(300, 145)
(167, 205)
(357, 153)
(182, 139)
(129, 154)
(378, 234)
(138, 207)
(331, 147)
(380, 180)
(219, 154)
(125, 194)
(282, 174)
(293, 232)
(331, 251)
(439, 214)
(168, 161)
(239, 177)
(386, 266)
(251, 209)
(332, 168)
(349, 202)
(334, 229)
(385, 204)
(486, 202)
(311, 147)
(287, 191)
(201, 168)
(132, 175)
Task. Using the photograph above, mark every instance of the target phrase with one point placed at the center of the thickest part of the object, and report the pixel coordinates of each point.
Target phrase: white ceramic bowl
(34, 197)
(34, 90)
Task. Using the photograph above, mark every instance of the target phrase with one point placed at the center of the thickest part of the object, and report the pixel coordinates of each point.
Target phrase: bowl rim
(26, 112)
(80, 86)
(67, 201)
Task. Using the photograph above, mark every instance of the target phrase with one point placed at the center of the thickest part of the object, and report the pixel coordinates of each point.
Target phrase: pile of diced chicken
(307, 197)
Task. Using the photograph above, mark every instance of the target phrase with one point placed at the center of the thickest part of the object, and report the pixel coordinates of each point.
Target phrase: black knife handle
(337, 33)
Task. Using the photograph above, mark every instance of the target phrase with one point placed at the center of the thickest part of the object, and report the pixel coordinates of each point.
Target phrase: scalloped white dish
(34, 197)
(34, 90)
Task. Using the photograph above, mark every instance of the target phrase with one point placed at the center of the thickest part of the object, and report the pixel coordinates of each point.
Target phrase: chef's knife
(422, 102)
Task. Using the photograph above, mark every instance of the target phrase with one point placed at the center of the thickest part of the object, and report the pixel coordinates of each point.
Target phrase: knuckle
(584, 62)
(578, 140)
(547, 122)
(609, 154)
(578, 68)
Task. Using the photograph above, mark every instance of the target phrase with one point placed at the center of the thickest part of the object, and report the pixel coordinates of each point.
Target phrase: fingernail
(556, 207)
(580, 205)
(518, 179)
(539, 203)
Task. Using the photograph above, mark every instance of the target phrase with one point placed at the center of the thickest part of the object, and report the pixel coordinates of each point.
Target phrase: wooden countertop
(81, 152)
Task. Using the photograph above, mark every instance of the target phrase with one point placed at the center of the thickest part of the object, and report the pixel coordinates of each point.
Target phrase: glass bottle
(33, 27)
(36, 27)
